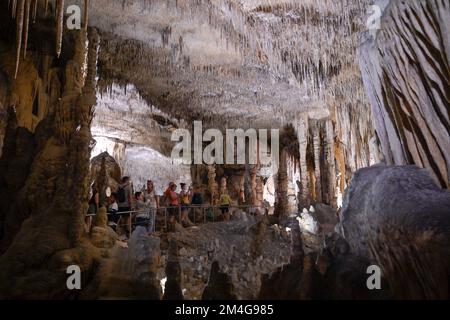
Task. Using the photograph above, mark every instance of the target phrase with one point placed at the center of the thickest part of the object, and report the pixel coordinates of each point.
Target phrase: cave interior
(353, 97)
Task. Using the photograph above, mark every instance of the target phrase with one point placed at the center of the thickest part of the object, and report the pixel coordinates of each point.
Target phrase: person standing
(171, 198)
(225, 203)
(197, 202)
(185, 199)
(152, 202)
(125, 199)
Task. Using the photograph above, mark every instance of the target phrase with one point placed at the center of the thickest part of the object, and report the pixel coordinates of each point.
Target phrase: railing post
(165, 217)
(129, 223)
(154, 219)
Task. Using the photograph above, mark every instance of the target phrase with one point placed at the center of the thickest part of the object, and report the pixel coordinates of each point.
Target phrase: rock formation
(405, 66)
(400, 219)
(87, 106)
(54, 173)
(219, 286)
(174, 284)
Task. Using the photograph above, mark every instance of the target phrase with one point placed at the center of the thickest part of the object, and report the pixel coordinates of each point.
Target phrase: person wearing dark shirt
(197, 201)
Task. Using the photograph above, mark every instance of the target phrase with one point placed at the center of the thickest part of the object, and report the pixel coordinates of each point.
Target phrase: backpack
(121, 195)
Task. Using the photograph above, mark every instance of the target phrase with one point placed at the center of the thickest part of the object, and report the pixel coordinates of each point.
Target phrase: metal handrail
(130, 224)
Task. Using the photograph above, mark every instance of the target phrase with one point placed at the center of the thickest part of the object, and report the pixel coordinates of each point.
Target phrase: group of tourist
(141, 207)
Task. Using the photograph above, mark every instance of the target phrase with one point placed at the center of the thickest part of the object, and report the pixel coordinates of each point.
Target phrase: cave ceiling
(231, 62)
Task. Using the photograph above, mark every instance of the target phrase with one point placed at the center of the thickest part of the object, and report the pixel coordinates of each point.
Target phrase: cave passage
(225, 150)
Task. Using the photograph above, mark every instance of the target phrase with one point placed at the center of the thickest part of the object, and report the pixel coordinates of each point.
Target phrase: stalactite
(35, 8)
(331, 162)
(59, 25)
(19, 31)
(317, 166)
(82, 137)
(86, 14)
(14, 8)
(302, 131)
(26, 27)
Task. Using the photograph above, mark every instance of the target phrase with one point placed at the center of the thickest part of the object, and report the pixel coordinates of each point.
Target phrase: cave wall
(405, 67)
(397, 217)
(48, 204)
(4, 88)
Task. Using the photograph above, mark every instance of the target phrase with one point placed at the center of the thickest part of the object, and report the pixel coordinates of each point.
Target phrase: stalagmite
(317, 164)
(281, 188)
(213, 187)
(302, 131)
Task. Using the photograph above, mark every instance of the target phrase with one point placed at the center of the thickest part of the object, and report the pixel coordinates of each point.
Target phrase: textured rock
(326, 218)
(18, 152)
(399, 218)
(54, 191)
(406, 72)
(127, 272)
(4, 87)
(113, 170)
(173, 289)
(103, 237)
(143, 262)
(287, 281)
(286, 65)
(220, 286)
(101, 218)
(244, 250)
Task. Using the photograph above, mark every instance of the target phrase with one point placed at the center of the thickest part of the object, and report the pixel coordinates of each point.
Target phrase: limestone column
(212, 185)
(330, 161)
(302, 132)
(253, 177)
(317, 172)
(281, 187)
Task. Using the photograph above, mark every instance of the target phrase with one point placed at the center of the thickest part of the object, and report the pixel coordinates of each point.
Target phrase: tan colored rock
(103, 237)
(101, 218)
